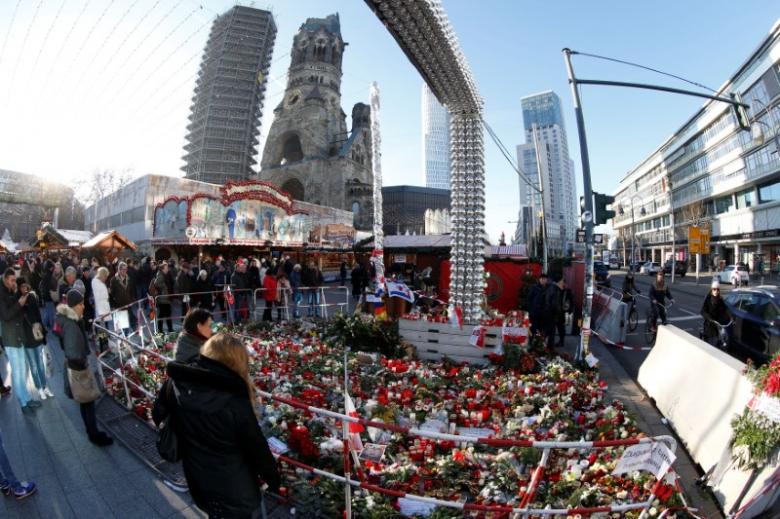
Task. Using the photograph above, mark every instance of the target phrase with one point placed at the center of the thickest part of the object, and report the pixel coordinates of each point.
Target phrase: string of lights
(21, 52)
(126, 59)
(90, 32)
(46, 39)
(10, 28)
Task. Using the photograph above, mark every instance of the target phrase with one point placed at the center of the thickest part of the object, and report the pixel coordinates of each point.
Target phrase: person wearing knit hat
(714, 310)
(73, 338)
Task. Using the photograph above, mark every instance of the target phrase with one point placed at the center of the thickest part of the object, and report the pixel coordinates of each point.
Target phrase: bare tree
(695, 214)
(101, 183)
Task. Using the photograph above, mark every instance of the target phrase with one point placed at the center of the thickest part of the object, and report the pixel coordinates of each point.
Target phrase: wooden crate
(434, 341)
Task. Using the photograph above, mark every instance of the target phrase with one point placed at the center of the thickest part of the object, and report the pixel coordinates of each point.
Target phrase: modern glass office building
(713, 174)
(435, 141)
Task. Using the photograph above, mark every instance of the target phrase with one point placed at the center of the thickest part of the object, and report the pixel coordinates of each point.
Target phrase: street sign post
(694, 240)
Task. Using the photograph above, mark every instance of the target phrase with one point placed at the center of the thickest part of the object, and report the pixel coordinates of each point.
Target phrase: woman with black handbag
(209, 406)
(34, 338)
(78, 373)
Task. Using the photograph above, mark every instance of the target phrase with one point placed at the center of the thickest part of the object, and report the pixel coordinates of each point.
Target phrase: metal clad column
(468, 207)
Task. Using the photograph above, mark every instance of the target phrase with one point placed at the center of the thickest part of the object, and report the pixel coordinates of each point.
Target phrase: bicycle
(633, 313)
(723, 338)
(651, 326)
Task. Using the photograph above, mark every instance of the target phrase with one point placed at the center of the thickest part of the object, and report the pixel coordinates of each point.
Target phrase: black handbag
(167, 441)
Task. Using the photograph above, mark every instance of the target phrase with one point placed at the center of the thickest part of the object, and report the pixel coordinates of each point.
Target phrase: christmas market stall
(50, 238)
(109, 244)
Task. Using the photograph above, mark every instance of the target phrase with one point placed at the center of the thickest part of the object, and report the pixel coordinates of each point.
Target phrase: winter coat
(295, 280)
(239, 280)
(122, 292)
(11, 318)
(63, 288)
(223, 449)
(184, 282)
(187, 347)
(282, 288)
(714, 309)
(536, 300)
(161, 284)
(73, 338)
(357, 279)
(32, 315)
(659, 294)
(100, 295)
(220, 279)
(269, 284)
(308, 277)
(203, 300)
(553, 304)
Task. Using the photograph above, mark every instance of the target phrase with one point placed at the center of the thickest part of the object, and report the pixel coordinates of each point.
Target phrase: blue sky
(109, 97)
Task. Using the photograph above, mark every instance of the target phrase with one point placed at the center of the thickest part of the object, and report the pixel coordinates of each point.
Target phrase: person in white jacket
(100, 295)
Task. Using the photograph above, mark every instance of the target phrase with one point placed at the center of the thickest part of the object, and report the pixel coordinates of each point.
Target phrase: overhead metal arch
(424, 33)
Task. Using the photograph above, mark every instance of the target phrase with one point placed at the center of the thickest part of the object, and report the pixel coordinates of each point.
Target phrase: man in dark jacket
(74, 342)
(358, 280)
(11, 326)
(185, 282)
(163, 300)
(240, 284)
(223, 449)
(553, 308)
(122, 292)
(714, 310)
(536, 304)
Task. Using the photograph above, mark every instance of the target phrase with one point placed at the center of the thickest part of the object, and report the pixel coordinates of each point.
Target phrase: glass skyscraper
(435, 141)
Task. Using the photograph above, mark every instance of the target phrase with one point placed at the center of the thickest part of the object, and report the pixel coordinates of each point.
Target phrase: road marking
(675, 319)
(688, 311)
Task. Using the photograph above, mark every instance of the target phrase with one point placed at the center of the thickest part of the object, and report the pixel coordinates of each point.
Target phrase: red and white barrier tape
(494, 442)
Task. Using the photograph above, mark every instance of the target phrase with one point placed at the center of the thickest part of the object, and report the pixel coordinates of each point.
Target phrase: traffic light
(600, 207)
(740, 112)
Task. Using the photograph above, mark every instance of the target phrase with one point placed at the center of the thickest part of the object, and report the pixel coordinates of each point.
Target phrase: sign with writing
(277, 446)
(694, 240)
(767, 406)
(411, 507)
(704, 236)
(655, 458)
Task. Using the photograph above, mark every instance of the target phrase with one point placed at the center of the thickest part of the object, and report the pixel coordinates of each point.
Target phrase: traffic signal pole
(587, 215)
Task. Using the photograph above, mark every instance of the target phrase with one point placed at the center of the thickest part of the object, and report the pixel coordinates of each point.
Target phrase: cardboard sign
(591, 360)
(655, 458)
(277, 446)
(410, 507)
(121, 320)
(767, 406)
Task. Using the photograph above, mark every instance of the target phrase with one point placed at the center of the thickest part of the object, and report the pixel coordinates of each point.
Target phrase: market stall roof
(60, 238)
(109, 240)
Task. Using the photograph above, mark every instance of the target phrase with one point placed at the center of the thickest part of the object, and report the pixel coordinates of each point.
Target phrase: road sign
(694, 240)
(580, 236)
(704, 235)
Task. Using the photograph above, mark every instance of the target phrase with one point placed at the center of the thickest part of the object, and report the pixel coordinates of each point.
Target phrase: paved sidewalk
(649, 420)
(76, 479)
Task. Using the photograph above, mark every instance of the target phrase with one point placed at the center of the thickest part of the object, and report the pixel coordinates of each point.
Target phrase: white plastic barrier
(699, 389)
(610, 316)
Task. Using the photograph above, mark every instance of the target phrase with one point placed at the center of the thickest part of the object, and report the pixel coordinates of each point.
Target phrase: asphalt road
(685, 313)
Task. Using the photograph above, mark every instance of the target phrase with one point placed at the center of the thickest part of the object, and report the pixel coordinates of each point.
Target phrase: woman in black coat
(33, 346)
(222, 447)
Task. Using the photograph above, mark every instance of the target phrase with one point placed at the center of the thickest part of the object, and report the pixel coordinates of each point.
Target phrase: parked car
(634, 266)
(613, 263)
(756, 327)
(650, 268)
(734, 275)
(680, 268)
(601, 274)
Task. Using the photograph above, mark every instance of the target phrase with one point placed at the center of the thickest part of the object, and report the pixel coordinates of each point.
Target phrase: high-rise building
(545, 136)
(435, 141)
(229, 95)
(310, 152)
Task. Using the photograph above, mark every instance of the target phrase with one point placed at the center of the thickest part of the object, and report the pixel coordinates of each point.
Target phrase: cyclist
(659, 293)
(629, 287)
(714, 310)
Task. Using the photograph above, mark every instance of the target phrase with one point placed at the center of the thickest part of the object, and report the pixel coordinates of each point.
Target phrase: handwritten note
(655, 458)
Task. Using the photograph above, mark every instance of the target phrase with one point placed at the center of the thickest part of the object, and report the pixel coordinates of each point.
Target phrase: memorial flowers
(757, 429)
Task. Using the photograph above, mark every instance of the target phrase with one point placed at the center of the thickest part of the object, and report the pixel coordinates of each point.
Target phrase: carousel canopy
(109, 240)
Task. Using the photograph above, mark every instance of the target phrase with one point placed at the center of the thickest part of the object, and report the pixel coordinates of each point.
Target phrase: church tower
(310, 151)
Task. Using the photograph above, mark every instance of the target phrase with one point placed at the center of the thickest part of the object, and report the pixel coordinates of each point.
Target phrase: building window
(745, 199)
(769, 193)
(723, 204)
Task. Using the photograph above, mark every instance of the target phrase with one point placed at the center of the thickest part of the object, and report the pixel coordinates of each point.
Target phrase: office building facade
(435, 141)
(228, 101)
(404, 208)
(712, 174)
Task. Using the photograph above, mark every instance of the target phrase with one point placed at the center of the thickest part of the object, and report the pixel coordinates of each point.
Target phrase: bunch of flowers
(757, 429)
